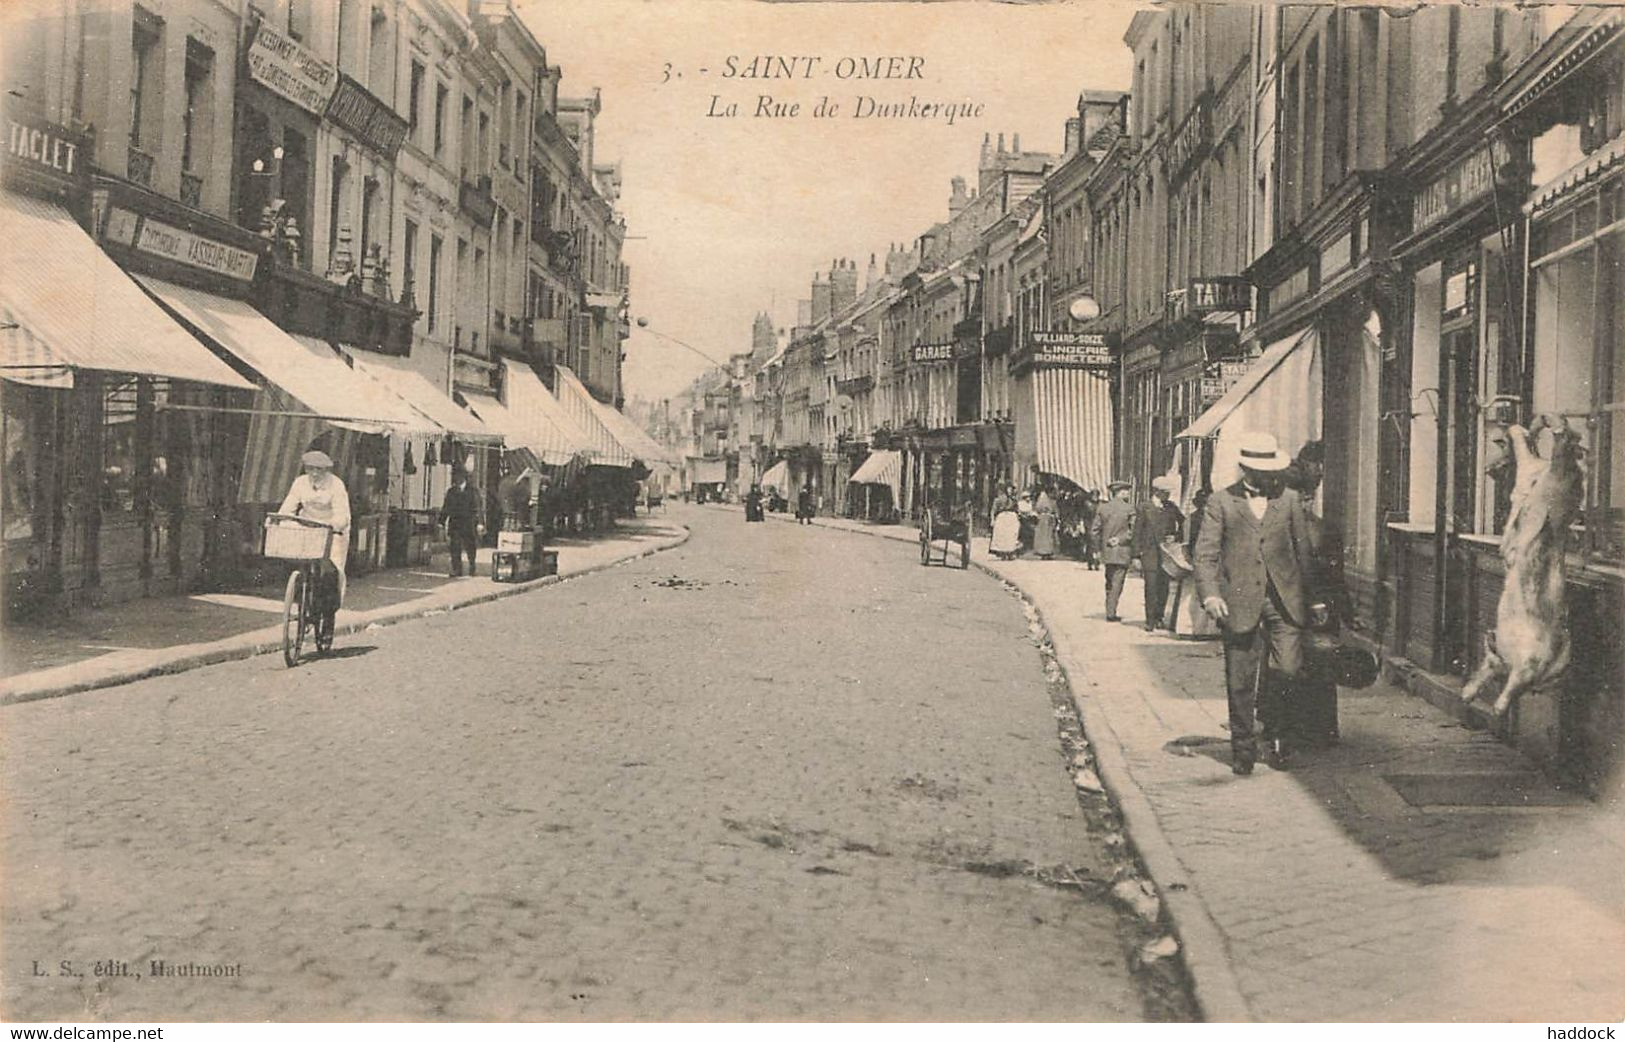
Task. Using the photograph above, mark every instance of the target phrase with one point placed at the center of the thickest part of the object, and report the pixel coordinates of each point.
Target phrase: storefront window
(119, 450)
(1579, 373)
(26, 445)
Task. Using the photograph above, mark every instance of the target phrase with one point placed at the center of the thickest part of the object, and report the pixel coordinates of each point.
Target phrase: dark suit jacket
(1153, 523)
(1237, 556)
(462, 508)
(1114, 519)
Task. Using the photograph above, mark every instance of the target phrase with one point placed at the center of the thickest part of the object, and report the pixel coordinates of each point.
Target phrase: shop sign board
(1469, 178)
(354, 108)
(178, 244)
(288, 69)
(922, 353)
(1060, 350)
(44, 152)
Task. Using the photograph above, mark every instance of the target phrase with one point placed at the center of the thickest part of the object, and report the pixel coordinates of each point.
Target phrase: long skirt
(1044, 535)
(1006, 533)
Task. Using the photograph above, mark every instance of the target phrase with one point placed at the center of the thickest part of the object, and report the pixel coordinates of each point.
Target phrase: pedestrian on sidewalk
(1254, 567)
(1046, 522)
(461, 513)
(1158, 521)
(753, 504)
(319, 495)
(806, 505)
(1006, 525)
(1114, 534)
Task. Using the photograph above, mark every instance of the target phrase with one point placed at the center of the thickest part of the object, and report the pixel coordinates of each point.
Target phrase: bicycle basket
(294, 542)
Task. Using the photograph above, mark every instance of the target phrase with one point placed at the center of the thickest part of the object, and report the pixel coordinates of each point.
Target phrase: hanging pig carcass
(1529, 647)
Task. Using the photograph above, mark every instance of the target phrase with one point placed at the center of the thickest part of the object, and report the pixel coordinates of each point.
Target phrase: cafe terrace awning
(308, 371)
(882, 467)
(777, 476)
(65, 305)
(584, 409)
(398, 375)
(1280, 395)
(1072, 425)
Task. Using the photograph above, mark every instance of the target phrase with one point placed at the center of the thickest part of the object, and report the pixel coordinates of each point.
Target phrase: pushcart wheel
(293, 618)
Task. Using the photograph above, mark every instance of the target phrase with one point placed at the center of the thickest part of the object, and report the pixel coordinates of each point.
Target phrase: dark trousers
(461, 543)
(1260, 668)
(1156, 588)
(1115, 574)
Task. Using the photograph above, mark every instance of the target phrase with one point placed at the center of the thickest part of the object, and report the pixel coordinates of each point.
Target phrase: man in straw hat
(1253, 564)
(1114, 534)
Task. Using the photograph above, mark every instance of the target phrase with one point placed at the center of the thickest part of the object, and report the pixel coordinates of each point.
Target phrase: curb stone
(252, 644)
(1204, 948)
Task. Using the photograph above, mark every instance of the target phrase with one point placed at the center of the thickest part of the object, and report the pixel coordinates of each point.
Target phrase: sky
(730, 216)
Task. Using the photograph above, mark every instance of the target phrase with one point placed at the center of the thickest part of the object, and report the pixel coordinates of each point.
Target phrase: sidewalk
(1417, 871)
(136, 639)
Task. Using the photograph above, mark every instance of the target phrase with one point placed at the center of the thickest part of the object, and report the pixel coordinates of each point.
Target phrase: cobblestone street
(774, 773)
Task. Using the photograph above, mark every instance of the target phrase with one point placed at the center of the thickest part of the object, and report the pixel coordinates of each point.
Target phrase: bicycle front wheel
(293, 618)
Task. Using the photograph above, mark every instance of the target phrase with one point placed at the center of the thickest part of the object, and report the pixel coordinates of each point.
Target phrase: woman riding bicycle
(319, 495)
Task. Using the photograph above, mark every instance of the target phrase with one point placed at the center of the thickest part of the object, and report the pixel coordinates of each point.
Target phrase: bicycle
(289, 537)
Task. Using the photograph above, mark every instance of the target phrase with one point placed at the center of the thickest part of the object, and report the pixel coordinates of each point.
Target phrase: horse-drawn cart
(939, 532)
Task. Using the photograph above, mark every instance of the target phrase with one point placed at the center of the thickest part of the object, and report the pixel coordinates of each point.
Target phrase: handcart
(938, 533)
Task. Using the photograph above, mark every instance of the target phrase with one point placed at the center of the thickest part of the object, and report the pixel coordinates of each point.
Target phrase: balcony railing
(141, 166)
(192, 190)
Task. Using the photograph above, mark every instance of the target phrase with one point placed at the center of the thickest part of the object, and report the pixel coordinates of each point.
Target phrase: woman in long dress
(1045, 522)
(319, 495)
(1006, 525)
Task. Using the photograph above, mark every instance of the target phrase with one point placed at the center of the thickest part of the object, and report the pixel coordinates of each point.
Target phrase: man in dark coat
(1157, 521)
(461, 514)
(1114, 534)
(1254, 560)
(806, 505)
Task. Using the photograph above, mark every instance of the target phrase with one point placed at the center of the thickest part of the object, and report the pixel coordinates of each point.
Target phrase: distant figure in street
(1046, 522)
(753, 504)
(1157, 522)
(1006, 525)
(460, 513)
(1114, 535)
(806, 505)
(1254, 569)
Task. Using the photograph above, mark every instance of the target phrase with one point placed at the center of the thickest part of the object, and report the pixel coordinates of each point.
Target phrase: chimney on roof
(1074, 136)
(843, 285)
(957, 199)
(871, 276)
(1015, 144)
(820, 299)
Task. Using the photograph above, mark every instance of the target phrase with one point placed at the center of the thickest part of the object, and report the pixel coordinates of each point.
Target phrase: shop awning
(584, 409)
(312, 373)
(604, 301)
(398, 375)
(632, 436)
(707, 471)
(1280, 395)
(374, 397)
(1072, 425)
(65, 305)
(550, 430)
(777, 476)
(882, 467)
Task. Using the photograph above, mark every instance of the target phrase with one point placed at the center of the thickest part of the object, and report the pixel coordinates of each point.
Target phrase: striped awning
(882, 467)
(1280, 395)
(65, 305)
(584, 409)
(398, 375)
(632, 436)
(375, 396)
(311, 373)
(555, 436)
(1072, 423)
